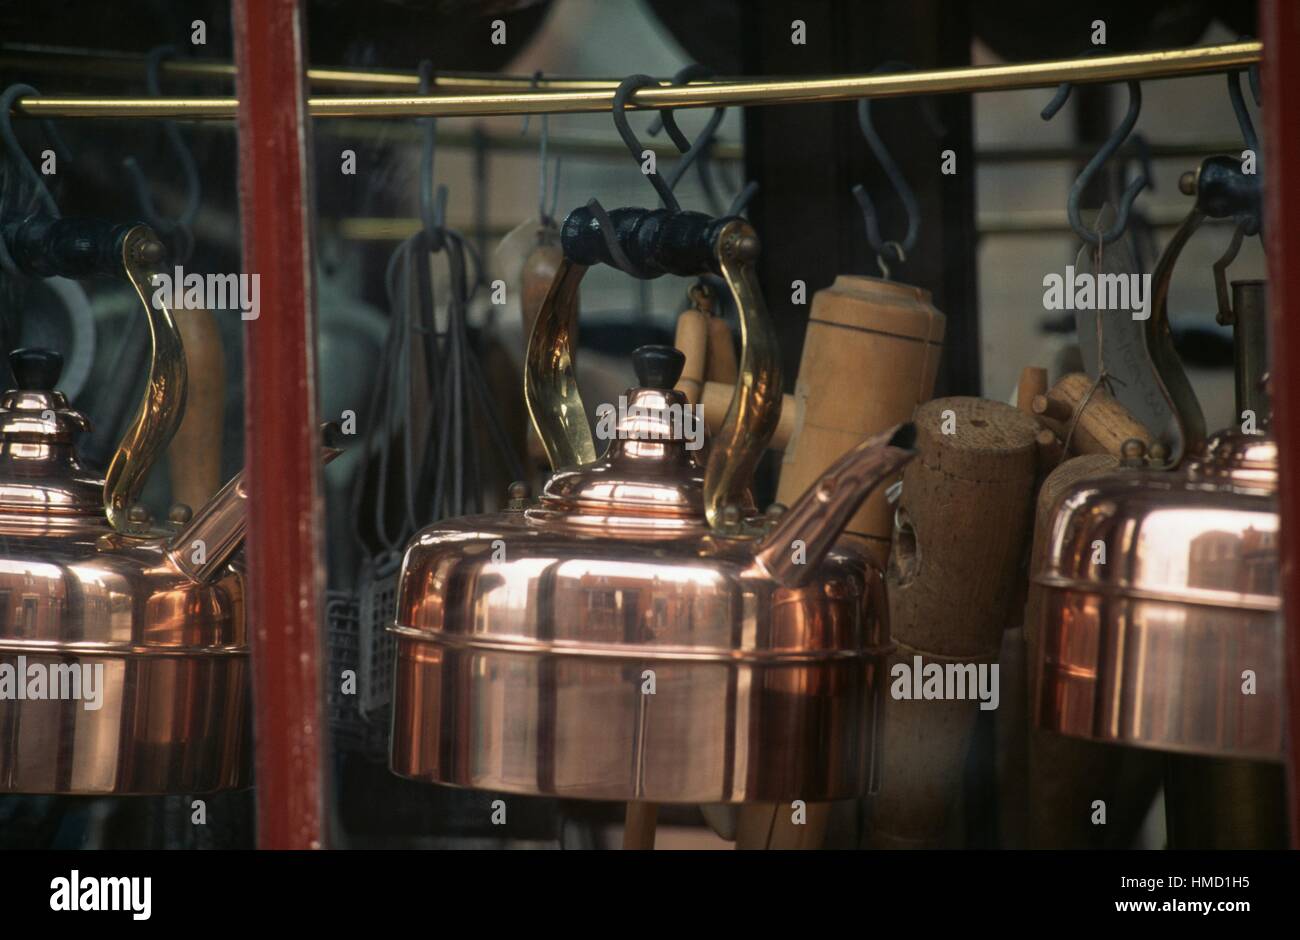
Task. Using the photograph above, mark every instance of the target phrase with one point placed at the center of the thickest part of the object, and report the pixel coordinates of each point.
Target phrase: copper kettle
(123, 648)
(640, 633)
(1162, 622)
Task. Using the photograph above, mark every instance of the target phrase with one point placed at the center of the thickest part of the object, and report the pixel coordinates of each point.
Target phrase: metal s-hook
(1108, 150)
(634, 147)
(698, 149)
(545, 215)
(179, 228)
(18, 159)
(1243, 116)
(1253, 226)
(699, 152)
(433, 204)
(1239, 103)
(626, 88)
(691, 151)
(41, 192)
(897, 249)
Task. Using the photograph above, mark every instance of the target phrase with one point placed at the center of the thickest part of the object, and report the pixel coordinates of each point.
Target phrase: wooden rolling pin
(693, 340)
(717, 397)
(1011, 721)
(870, 356)
(709, 347)
(722, 364)
(1033, 382)
(1065, 775)
(964, 517)
(1103, 426)
(194, 457)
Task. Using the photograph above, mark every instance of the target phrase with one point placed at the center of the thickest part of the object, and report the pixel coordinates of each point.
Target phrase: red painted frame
(285, 577)
(1280, 71)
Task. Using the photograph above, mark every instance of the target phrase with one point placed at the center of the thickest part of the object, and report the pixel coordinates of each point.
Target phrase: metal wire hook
(741, 202)
(433, 207)
(1108, 149)
(544, 215)
(700, 148)
(17, 156)
(700, 151)
(180, 227)
(897, 180)
(606, 226)
(626, 89)
(1239, 109)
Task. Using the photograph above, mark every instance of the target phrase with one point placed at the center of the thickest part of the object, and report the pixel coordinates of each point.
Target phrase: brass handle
(655, 242)
(163, 402)
(755, 408)
(1175, 387)
(1222, 191)
(550, 385)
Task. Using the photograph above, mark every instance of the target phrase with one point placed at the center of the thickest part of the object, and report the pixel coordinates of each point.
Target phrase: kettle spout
(803, 535)
(216, 532)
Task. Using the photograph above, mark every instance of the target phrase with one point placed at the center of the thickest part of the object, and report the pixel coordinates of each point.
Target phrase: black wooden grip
(1223, 191)
(74, 248)
(654, 241)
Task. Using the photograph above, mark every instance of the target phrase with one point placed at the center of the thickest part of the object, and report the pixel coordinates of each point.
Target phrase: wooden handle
(1049, 450)
(1103, 425)
(639, 824)
(964, 517)
(194, 457)
(1033, 381)
(693, 340)
(1051, 408)
(717, 398)
(770, 826)
(722, 366)
(870, 356)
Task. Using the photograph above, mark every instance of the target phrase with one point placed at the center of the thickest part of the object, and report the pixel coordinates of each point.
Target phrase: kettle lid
(651, 475)
(1245, 460)
(41, 482)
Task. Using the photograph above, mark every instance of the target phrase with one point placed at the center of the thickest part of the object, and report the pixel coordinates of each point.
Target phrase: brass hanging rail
(24, 58)
(1168, 63)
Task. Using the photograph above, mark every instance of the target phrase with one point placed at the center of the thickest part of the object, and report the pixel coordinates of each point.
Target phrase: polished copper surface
(527, 674)
(639, 633)
(159, 702)
(525, 639)
(644, 480)
(1154, 646)
(173, 716)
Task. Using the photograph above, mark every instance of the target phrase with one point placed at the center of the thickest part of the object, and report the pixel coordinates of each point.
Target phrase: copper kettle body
(639, 632)
(123, 649)
(1161, 624)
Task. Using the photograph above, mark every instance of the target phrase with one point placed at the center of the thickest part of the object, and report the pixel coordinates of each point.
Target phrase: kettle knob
(658, 366)
(36, 370)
